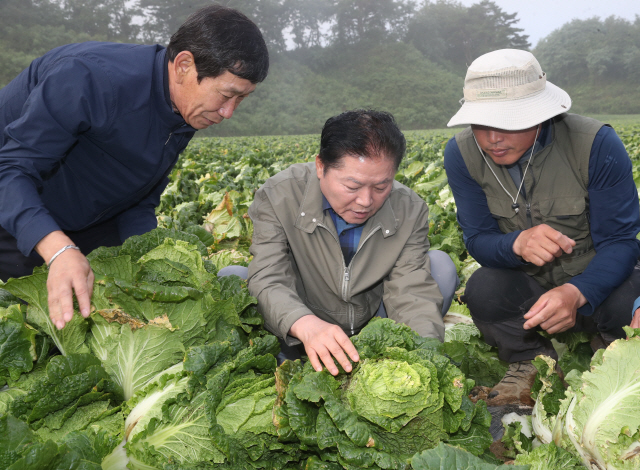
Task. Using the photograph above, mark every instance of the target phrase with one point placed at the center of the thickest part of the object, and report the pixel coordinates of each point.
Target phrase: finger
(557, 327)
(313, 359)
(81, 290)
(327, 360)
(54, 313)
(535, 259)
(66, 305)
(341, 357)
(565, 243)
(553, 323)
(540, 317)
(552, 247)
(346, 344)
(537, 307)
(635, 323)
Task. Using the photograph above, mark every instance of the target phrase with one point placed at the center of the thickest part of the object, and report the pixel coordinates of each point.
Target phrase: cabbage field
(173, 369)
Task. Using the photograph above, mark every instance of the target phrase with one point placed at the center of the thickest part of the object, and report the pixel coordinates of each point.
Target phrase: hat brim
(514, 115)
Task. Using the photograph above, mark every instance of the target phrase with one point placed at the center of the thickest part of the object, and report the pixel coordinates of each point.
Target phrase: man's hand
(556, 310)
(635, 323)
(542, 244)
(69, 273)
(324, 341)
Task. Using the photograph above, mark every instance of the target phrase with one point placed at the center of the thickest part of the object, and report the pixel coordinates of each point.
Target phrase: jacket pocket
(574, 265)
(503, 212)
(568, 215)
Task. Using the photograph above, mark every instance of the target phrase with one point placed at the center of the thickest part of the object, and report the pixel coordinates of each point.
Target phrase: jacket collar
(162, 99)
(311, 214)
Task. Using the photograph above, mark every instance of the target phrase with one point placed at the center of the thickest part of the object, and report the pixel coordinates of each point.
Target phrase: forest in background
(327, 56)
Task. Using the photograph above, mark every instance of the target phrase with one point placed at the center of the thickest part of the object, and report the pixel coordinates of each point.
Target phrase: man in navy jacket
(91, 131)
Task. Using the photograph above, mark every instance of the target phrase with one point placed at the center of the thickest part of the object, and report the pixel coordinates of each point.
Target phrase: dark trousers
(14, 264)
(499, 298)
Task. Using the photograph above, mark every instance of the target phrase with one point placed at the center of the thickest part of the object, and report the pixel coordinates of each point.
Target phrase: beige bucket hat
(507, 89)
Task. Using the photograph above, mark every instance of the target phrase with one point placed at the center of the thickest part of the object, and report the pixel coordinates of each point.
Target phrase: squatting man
(338, 241)
(548, 207)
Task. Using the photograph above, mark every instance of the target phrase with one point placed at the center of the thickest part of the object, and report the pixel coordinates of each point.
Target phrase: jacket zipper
(345, 283)
(527, 197)
(351, 313)
(346, 275)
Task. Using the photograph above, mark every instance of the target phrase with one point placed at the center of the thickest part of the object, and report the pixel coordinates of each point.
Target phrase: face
(208, 102)
(358, 188)
(504, 147)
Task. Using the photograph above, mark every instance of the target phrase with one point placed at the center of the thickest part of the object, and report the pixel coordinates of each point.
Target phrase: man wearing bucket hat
(548, 207)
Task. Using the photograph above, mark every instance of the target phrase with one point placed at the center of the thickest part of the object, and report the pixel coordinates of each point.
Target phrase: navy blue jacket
(614, 216)
(88, 134)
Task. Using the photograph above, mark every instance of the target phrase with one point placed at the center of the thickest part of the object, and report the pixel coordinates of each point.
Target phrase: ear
(183, 64)
(319, 167)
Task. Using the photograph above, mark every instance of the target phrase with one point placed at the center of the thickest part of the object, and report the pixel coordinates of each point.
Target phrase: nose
(228, 107)
(364, 198)
(494, 136)
(226, 110)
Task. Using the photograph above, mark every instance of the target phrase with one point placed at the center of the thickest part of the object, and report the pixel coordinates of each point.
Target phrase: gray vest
(556, 189)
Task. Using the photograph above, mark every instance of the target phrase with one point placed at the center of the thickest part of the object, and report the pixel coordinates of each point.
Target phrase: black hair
(222, 39)
(361, 133)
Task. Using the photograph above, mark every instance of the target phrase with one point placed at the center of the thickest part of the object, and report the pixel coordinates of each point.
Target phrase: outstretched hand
(635, 323)
(542, 244)
(324, 341)
(70, 273)
(556, 310)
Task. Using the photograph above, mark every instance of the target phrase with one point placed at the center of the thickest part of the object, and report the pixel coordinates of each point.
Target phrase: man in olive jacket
(334, 238)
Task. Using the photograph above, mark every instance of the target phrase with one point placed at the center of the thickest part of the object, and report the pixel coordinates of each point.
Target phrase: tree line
(405, 56)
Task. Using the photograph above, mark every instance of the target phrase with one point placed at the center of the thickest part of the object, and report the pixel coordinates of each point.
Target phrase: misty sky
(540, 17)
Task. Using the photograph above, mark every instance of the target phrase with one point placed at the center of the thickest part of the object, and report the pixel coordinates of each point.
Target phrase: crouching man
(548, 207)
(338, 240)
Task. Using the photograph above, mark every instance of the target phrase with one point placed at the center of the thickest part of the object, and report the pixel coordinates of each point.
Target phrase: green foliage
(475, 358)
(597, 421)
(29, 28)
(400, 399)
(449, 457)
(33, 290)
(515, 441)
(299, 95)
(17, 345)
(595, 61)
(549, 456)
(453, 35)
(184, 347)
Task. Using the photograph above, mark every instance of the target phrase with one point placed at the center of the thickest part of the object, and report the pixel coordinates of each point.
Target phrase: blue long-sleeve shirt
(88, 133)
(613, 207)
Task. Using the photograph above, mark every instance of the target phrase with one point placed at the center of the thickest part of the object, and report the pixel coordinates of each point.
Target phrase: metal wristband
(59, 252)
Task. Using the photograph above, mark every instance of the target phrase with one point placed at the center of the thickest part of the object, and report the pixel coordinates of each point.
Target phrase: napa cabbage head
(390, 393)
(599, 420)
(603, 415)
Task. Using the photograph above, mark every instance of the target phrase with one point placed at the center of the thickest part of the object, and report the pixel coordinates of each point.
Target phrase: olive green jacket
(298, 268)
(556, 187)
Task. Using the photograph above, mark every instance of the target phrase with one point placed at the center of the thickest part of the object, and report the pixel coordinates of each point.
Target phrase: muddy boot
(515, 386)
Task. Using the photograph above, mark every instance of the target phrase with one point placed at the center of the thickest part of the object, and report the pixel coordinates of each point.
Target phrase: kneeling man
(337, 240)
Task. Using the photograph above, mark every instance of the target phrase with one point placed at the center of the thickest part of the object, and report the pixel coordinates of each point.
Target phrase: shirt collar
(339, 222)
(163, 96)
(325, 204)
